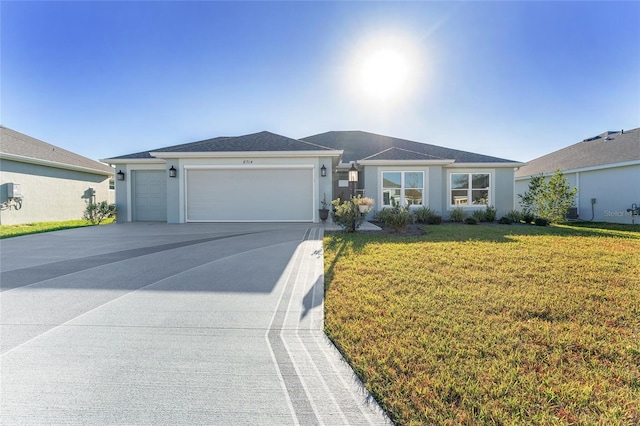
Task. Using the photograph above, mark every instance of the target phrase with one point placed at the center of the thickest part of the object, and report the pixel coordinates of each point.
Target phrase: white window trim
(402, 186)
(471, 172)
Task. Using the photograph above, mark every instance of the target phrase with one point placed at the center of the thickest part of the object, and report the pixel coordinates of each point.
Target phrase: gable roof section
(608, 148)
(17, 146)
(255, 142)
(358, 145)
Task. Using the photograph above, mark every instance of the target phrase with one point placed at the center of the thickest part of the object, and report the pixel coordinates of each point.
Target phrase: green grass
(492, 324)
(7, 231)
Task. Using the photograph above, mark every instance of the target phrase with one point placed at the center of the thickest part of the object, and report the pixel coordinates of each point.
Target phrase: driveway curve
(151, 323)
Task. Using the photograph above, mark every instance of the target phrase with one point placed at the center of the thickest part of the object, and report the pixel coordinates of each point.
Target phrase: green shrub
(96, 213)
(423, 214)
(395, 217)
(346, 214)
(470, 220)
(434, 220)
(514, 215)
(539, 221)
(505, 220)
(528, 217)
(490, 214)
(478, 215)
(457, 215)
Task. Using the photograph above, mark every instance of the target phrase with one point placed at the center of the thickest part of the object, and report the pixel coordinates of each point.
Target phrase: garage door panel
(149, 195)
(250, 195)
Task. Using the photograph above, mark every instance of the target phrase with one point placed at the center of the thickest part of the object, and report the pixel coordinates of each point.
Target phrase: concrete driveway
(171, 324)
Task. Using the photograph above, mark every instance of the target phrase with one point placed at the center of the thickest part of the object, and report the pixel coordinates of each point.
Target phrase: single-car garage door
(149, 195)
(249, 194)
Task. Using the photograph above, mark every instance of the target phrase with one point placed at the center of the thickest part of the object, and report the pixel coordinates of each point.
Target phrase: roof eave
(55, 164)
(510, 164)
(439, 162)
(584, 169)
(132, 161)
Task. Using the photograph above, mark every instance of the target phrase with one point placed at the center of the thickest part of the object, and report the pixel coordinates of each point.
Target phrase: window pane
(459, 197)
(480, 196)
(391, 179)
(413, 180)
(481, 181)
(459, 181)
(391, 197)
(413, 197)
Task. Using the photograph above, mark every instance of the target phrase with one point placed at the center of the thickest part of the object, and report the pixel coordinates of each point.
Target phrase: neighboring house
(604, 168)
(40, 182)
(268, 177)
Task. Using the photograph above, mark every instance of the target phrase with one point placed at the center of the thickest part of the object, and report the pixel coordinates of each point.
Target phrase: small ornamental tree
(96, 213)
(548, 199)
(346, 214)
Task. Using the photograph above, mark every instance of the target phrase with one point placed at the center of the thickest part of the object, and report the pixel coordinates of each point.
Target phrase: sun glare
(384, 74)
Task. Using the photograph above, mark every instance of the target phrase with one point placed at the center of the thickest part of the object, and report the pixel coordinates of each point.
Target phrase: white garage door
(282, 194)
(149, 195)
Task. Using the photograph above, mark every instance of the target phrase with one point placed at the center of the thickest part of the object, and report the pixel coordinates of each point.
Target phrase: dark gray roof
(19, 144)
(255, 142)
(607, 148)
(359, 145)
(395, 154)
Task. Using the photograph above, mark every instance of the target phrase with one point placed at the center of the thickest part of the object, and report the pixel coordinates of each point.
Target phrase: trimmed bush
(539, 221)
(423, 214)
(528, 217)
(434, 220)
(346, 214)
(505, 220)
(471, 220)
(457, 215)
(97, 212)
(395, 217)
(478, 215)
(490, 214)
(514, 215)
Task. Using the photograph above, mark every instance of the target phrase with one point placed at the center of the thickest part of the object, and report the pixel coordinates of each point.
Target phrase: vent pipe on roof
(622, 132)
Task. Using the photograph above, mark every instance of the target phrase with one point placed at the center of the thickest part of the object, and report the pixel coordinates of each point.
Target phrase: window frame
(403, 188)
(469, 190)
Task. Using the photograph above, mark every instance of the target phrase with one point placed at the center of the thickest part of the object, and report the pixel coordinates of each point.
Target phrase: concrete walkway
(171, 324)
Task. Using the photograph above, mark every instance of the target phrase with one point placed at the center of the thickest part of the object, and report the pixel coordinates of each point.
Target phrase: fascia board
(133, 161)
(255, 154)
(442, 162)
(486, 165)
(54, 164)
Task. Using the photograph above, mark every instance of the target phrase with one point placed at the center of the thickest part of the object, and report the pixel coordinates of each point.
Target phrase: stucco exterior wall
(49, 194)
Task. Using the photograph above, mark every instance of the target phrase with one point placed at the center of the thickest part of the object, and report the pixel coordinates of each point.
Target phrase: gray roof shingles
(358, 145)
(19, 144)
(606, 148)
(255, 142)
(395, 154)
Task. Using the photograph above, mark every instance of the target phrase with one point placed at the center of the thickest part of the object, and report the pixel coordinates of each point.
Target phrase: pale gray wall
(614, 189)
(50, 194)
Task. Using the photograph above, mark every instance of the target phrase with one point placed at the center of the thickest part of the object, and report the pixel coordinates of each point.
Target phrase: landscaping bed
(491, 324)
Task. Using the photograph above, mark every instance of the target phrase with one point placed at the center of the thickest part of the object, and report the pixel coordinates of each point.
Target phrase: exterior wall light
(120, 175)
(353, 178)
(173, 172)
(323, 171)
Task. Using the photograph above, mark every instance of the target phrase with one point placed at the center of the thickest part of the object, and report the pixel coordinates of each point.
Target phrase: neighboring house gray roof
(611, 147)
(255, 142)
(17, 146)
(358, 145)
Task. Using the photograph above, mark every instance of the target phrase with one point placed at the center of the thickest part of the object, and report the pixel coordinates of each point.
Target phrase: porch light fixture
(353, 179)
(323, 171)
(120, 175)
(173, 172)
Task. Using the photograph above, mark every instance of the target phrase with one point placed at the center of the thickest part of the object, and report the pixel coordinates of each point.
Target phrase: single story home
(606, 170)
(269, 177)
(40, 182)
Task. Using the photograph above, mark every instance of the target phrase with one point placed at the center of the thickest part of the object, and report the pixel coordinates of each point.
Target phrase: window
(470, 189)
(402, 188)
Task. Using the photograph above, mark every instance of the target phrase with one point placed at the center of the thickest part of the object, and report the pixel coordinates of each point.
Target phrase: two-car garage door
(249, 194)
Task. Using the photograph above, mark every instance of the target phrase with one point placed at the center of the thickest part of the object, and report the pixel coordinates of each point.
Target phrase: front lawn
(7, 231)
(491, 324)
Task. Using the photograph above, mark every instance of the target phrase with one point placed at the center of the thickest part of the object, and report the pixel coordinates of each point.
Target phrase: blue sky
(512, 79)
